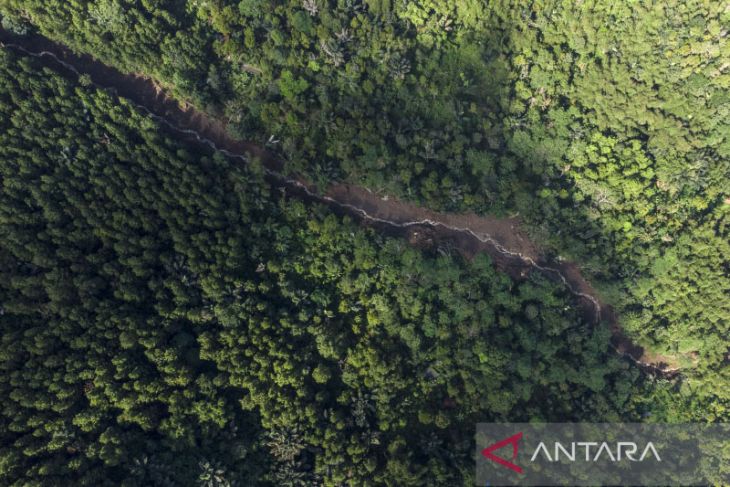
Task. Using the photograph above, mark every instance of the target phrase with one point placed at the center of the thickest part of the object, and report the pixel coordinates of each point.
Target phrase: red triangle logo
(512, 440)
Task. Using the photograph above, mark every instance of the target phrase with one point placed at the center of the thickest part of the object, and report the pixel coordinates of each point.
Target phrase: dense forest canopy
(169, 319)
(608, 118)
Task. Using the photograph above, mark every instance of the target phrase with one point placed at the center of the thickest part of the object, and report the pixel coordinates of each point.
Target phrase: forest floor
(503, 239)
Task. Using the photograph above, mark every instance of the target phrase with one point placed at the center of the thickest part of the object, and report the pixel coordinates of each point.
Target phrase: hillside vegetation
(168, 318)
(606, 118)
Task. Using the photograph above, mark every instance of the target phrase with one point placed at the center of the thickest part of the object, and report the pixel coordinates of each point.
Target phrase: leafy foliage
(169, 319)
(610, 142)
(619, 133)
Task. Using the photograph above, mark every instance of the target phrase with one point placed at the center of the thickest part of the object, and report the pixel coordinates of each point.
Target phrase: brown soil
(506, 231)
(502, 238)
